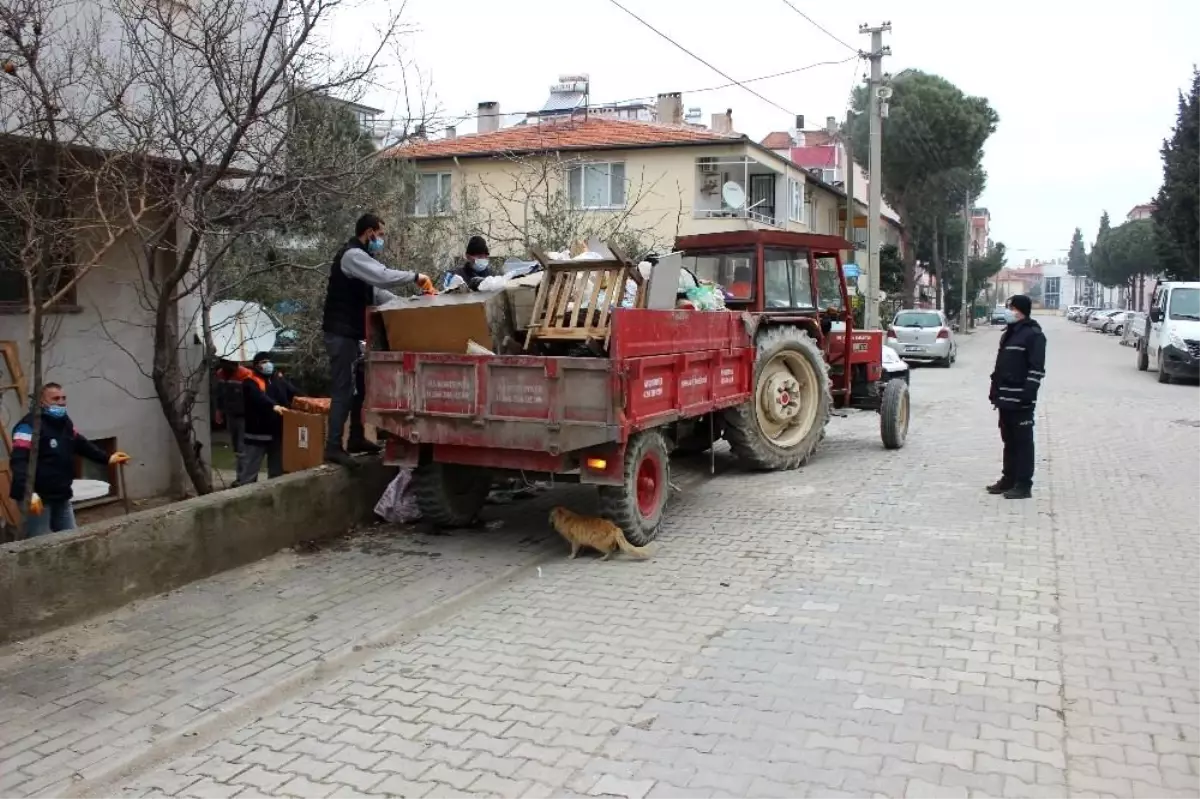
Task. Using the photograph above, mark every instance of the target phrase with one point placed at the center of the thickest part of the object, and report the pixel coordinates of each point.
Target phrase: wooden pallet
(15, 382)
(575, 299)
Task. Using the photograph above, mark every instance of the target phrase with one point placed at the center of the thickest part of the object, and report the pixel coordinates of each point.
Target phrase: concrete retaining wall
(61, 578)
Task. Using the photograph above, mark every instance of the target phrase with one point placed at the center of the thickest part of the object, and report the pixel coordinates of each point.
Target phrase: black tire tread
(442, 507)
(741, 428)
(618, 504)
(889, 423)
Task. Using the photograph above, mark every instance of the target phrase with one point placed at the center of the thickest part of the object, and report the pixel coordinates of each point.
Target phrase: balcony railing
(755, 215)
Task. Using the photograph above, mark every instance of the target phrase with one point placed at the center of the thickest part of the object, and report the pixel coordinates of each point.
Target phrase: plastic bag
(706, 297)
(492, 283)
(398, 503)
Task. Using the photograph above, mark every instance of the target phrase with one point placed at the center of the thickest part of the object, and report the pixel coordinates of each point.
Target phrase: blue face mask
(480, 265)
(267, 368)
(56, 411)
(375, 245)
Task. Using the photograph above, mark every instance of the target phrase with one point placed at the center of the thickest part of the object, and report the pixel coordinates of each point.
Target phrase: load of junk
(559, 304)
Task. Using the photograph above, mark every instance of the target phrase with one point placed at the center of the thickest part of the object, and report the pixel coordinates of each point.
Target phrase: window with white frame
(795, 200)
(600, 185)
(433, 195)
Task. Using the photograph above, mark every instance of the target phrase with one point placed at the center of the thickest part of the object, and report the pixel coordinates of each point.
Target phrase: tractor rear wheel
(785, 417)
(893, 414)
(451, 494)
(637, 505)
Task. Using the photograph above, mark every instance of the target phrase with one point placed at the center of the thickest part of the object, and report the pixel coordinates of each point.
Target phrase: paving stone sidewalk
(873, 624)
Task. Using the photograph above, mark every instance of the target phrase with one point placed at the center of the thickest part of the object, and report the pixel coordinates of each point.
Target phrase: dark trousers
(1016, 431)
(252, 459)
(346, 399)
(237, 430)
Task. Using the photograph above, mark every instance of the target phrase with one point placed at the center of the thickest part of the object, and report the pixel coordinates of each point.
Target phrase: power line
(472, 114)
(820, 27)
(722, 73)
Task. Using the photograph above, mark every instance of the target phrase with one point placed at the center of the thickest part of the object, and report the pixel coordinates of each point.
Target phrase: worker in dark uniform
(231, 406)
(356, 281)
(477, 264)
(1020, 369)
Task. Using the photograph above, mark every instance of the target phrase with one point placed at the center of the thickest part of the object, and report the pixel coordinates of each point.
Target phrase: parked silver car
(1116, 323)
(1133, 329)
(1099, 319)
(922, 335)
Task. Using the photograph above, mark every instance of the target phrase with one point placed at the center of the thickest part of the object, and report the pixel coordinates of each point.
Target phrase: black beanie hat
(260, 357)
(477, 246)
(1022, 303)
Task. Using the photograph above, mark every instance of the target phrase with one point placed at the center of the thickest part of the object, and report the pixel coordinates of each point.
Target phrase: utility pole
(964, 323)
(877, 96)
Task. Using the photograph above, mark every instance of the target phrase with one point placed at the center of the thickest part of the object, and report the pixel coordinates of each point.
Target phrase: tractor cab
(794, 280)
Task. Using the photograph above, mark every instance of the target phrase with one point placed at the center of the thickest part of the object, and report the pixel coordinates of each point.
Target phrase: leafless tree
(217, 95)
(67, 200)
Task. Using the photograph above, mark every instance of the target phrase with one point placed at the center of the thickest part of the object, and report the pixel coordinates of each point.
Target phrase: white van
(1172, 339)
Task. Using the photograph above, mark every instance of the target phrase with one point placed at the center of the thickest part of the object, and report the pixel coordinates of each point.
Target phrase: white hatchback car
(922, 335)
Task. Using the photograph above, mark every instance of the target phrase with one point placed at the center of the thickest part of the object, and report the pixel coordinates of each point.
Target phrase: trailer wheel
(636, 506)
(450, 494)
(784, 420)
(893, 414)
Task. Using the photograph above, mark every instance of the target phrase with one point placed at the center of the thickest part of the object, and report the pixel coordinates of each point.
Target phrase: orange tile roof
(777, 140)
(592, 133)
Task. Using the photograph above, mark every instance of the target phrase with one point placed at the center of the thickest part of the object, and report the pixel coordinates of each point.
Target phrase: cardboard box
(446, 322)
(303, 440)
(522, 292)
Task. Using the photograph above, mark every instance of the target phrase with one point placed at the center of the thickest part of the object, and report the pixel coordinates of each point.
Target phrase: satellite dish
(733, 195)
(240, 330)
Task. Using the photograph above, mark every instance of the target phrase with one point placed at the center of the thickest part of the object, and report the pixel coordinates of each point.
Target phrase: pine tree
(1177, 207)
(1077, 262)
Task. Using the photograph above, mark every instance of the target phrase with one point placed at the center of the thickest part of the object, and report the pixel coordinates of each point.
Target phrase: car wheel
(1163, 377)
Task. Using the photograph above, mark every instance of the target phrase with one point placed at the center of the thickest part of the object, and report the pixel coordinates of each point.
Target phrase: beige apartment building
(597, 173)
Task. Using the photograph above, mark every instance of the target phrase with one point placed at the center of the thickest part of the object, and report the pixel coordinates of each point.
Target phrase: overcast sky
(1085, 94)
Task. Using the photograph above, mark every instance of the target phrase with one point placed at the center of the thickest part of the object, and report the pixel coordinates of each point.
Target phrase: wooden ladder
(15, 381)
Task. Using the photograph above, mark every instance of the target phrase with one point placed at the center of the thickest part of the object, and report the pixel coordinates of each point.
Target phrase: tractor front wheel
(637, 505)
(784, 420)
(450, 494)
(893, 414)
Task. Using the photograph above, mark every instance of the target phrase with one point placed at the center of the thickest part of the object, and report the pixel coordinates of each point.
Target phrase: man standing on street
(231, 405)
(59, 442)
(1020, 368)
(356, 281)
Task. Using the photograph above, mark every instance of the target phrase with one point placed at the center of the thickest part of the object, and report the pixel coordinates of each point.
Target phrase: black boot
(1000, 486)
(338, 456)
(362, 446)
(1020, 491)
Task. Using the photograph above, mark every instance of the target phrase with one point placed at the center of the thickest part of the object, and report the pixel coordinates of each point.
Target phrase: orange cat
(589, 531)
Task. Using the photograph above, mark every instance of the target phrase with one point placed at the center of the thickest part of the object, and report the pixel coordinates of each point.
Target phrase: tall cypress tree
(1177, 207)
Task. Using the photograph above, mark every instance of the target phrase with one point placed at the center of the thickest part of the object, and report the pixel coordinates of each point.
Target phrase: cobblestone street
(872, 624)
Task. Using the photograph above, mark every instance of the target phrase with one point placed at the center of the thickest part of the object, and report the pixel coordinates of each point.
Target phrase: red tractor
(602, 394)
(809, 359)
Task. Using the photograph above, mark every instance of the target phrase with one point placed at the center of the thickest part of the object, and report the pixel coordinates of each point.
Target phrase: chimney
(419, 134)
(831, 125)
(799, 121)
(723, 123)
(451, 132)
(670, 108)
(489, 117)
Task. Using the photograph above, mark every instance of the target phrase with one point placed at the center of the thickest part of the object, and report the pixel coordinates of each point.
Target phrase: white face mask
(481, 264)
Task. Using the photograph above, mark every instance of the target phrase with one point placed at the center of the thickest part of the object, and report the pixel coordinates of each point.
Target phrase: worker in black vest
(356, 281)
(1020, 369)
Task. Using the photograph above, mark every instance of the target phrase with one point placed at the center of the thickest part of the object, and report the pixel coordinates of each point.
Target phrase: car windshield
(917, 319)
(1185, 304)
